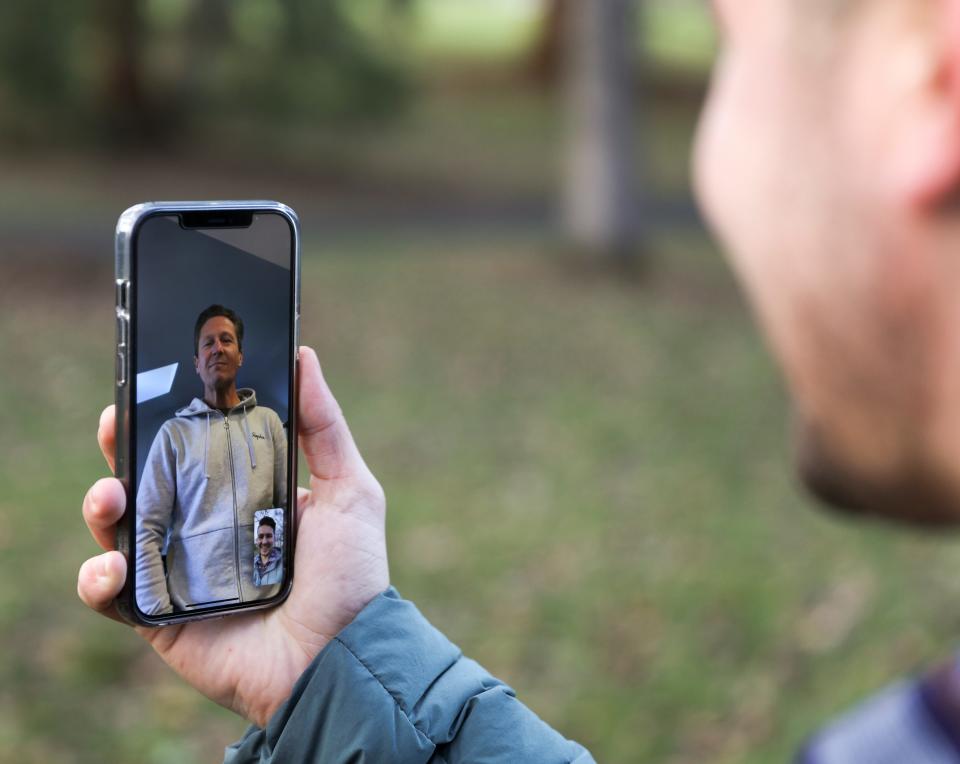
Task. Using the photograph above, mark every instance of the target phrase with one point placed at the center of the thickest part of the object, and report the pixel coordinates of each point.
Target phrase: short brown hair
(267, 520)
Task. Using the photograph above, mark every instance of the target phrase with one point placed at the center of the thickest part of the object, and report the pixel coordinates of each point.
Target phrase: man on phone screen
(268, 562)
(214, 464)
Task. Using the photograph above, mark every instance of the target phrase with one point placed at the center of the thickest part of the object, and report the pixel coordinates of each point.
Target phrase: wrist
(265, 695)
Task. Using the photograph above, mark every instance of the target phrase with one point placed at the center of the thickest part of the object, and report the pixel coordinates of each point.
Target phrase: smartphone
(207, 309)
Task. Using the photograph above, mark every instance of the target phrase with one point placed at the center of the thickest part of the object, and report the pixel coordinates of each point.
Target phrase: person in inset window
(267, 563)
(210, 468)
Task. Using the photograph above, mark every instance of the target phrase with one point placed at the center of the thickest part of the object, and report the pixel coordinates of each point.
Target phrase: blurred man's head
(828, 163)
(218, 346)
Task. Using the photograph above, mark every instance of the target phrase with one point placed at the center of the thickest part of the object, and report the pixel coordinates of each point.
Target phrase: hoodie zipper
(236, 522)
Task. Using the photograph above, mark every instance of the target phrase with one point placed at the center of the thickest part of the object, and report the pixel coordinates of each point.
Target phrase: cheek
(758, 166)
(753, 181)
(728, 167)
(710, 163)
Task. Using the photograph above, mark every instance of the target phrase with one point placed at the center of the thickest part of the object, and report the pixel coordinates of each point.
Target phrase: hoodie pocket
(203, 569)
(247, 552)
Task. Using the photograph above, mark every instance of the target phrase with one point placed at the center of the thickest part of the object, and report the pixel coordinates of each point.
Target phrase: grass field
(588, 491)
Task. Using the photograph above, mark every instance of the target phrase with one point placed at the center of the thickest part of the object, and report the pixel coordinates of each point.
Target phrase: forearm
(154, 512)
(152, 594)
(390, 687)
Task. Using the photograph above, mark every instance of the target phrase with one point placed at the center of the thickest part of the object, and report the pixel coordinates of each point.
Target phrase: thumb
(325, 439)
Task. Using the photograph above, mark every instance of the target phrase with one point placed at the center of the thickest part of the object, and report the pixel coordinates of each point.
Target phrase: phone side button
(121, 368)
(123, 544)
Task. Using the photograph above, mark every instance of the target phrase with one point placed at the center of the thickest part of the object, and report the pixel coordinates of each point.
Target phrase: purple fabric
(940, 696)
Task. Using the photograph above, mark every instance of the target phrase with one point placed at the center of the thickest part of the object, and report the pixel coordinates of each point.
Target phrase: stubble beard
(911, 494)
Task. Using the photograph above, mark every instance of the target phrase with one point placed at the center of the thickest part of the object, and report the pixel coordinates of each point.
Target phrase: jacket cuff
(337, 710)
(391, 687)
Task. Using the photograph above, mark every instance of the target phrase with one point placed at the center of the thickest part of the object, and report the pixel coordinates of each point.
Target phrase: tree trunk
(544, 63)
(123, 104)
(599, 206)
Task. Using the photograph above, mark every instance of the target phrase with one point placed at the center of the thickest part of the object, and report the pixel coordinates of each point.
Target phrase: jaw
(220, 381)
(910, 490)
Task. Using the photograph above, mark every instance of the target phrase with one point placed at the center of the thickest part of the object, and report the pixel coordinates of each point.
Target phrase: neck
(226, 398)
(265, 557)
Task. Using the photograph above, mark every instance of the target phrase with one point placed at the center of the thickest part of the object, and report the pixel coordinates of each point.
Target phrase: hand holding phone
(250, 662)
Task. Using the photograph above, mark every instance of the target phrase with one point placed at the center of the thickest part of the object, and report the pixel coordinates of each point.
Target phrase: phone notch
(216, 219)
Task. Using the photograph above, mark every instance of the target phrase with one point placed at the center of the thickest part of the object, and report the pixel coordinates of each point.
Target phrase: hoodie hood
(198, 408)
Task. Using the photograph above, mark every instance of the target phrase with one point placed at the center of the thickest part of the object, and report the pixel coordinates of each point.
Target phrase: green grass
(462, 30)
(680, 34)
(674, 33)
(588, 490)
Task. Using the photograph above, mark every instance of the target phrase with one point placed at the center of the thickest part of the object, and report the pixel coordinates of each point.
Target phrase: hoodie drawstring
(246, 429)
(206, 448)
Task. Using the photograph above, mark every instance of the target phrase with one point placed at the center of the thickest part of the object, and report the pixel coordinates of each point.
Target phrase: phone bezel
(125, 390)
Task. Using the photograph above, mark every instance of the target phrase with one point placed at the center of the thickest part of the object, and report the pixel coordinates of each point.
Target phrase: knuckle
(89, 504)
(93, 507)
(83, 583)
(371, 494)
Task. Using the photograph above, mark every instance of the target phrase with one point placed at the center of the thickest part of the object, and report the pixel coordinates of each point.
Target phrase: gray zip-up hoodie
(205, 476)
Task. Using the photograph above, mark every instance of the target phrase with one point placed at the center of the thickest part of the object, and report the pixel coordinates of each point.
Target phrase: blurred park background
(541, 354)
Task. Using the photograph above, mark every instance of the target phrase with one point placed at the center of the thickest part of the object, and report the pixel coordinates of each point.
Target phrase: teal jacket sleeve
(391, 688)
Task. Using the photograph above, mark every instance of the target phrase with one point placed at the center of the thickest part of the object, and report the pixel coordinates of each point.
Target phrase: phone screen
(212, 360)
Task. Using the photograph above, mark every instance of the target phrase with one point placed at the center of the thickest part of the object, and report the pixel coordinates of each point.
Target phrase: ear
(240, 362)
(925, 149)
(196, 364)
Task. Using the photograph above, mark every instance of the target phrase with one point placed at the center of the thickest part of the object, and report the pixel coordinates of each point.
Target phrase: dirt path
(65, 207)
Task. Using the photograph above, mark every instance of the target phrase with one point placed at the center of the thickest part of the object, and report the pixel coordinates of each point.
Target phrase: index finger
(99, 582)
(102, 508)
(107, 435)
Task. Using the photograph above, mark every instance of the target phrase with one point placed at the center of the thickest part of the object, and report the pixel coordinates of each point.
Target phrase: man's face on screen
(265, 540)
(218, 353)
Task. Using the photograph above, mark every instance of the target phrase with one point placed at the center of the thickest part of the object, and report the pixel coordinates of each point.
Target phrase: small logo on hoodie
(258, 435)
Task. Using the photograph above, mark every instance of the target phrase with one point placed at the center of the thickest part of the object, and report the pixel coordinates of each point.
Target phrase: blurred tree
(147, 71)
(123, 109)
(546, 55)
(38, 84)
(315, 62)
(209, 28)
(599, 204)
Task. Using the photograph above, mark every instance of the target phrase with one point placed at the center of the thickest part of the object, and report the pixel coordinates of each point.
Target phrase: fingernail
(103, 570)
